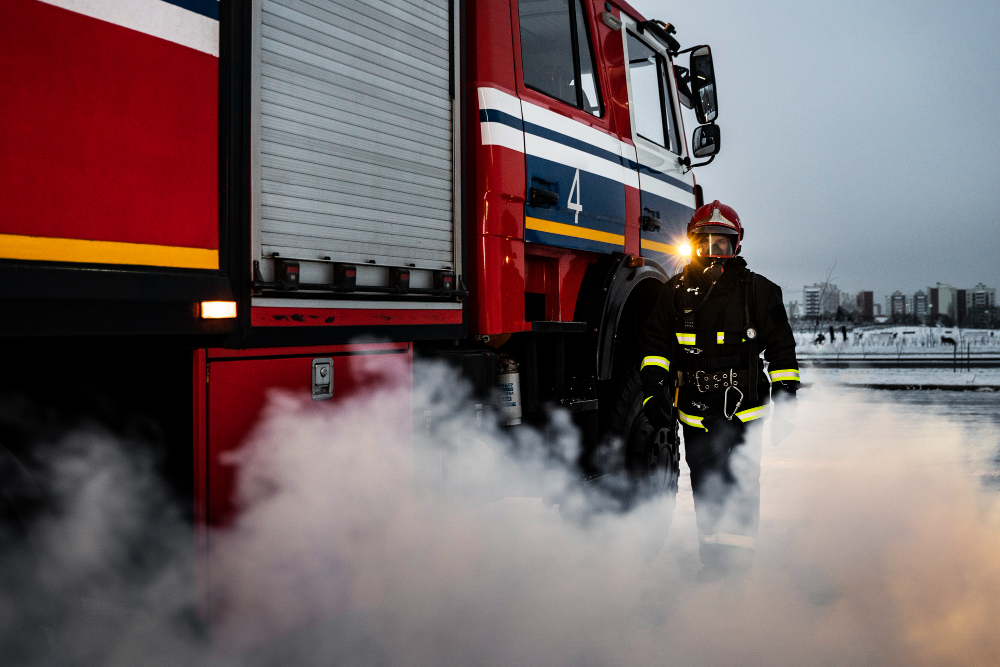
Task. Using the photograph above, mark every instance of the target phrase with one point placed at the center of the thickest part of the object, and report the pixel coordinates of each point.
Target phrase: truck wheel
(649, 463)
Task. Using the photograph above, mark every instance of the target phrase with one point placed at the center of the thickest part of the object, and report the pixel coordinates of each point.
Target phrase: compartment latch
(322, 379)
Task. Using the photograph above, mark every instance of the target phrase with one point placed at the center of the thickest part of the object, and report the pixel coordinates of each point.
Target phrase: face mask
(713, 245)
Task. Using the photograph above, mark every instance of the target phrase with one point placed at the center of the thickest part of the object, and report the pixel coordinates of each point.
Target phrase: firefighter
(701, 365)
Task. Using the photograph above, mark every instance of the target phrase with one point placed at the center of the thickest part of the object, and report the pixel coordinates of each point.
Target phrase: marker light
(684, 249)
(217, 310)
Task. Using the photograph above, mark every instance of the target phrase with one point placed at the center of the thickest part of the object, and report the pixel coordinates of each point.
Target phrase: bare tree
(824, 291)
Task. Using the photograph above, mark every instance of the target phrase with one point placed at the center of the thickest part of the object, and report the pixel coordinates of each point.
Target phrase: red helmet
(717, 218)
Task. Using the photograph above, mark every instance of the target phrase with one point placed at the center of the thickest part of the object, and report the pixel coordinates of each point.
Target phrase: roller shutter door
(356, 161)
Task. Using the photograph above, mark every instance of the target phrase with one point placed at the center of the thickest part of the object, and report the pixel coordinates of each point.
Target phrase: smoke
(468, 544)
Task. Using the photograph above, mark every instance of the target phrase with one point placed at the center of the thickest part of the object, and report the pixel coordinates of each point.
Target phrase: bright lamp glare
(684, 249)
(218, 310)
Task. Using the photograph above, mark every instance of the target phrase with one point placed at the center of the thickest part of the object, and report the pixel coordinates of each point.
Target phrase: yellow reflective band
(720, 337)
(646, 400)
(750, 414)
(685, 338)
(728, 539)
(691, 420)
(655, 361)
(785, 374)
(562, 229)
(646, 244)
(85, 251)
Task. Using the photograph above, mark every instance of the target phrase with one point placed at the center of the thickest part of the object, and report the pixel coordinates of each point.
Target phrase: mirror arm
(690, 49)
(663, 32)
(686, 161)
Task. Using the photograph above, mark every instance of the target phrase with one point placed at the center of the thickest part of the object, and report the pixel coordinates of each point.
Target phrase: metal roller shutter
(355, 132)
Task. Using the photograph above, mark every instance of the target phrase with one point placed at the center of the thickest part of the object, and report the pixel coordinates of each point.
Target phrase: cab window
(651, 98)
(556, 54)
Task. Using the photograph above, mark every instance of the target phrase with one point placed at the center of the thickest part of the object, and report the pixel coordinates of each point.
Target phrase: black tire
(646, 460)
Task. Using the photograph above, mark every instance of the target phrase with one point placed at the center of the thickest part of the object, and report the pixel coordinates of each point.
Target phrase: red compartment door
(238, 388)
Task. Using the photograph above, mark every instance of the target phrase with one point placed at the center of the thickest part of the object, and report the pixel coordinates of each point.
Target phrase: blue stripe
(660, 176)
(494, 116)
(209, 8)
(565, 140)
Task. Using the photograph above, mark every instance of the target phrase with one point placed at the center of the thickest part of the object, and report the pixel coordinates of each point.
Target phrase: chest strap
(704, 338)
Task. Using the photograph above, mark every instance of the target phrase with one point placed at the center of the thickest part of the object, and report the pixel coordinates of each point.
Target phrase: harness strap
(750, 305)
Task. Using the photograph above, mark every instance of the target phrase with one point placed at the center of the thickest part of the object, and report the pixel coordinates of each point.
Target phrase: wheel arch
(614, 300)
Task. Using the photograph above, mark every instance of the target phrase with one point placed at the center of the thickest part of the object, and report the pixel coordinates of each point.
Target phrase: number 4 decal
(575, 206)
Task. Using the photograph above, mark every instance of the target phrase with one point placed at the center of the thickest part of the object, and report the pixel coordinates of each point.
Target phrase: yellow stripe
(13, 246)
(686, 338)
(751, 414)
(550, 227)
(646, 244)
(786, 374)
(646, 400)
(655, 361)
(691, 420)
(720, 338)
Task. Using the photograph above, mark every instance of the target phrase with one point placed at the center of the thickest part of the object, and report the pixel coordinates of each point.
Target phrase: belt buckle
(697, 381)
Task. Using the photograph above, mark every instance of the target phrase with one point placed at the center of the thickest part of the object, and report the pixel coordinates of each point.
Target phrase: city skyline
(840, 145)
(939, 303)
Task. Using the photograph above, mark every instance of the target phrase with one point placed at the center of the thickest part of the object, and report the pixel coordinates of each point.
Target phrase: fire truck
(202, 201)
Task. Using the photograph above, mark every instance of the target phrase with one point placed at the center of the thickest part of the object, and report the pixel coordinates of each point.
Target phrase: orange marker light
(217, 310)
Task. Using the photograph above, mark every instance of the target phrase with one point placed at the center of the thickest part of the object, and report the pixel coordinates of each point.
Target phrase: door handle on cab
(543, 198)
(650, 223)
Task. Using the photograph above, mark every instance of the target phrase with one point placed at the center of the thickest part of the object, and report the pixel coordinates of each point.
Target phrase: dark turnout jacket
(718, 343)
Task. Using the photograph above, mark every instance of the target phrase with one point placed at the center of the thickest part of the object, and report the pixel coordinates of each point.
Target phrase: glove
(783, 418)
(657, 405)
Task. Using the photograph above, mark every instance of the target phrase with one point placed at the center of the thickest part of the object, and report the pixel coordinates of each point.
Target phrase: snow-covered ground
(981, 378)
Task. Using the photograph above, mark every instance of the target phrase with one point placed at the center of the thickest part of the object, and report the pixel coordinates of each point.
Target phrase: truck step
(544, 326)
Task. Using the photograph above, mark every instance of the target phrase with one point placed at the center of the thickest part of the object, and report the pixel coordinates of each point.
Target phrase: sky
(863, 136)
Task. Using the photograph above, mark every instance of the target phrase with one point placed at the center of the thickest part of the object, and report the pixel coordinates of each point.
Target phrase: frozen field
(976, 379)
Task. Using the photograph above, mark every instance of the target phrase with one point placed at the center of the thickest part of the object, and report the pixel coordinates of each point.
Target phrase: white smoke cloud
(357, 544)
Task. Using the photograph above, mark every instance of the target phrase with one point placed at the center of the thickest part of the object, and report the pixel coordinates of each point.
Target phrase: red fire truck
(204, 200)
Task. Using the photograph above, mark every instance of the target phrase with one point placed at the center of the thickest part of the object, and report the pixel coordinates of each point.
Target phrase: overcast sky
(861, 132)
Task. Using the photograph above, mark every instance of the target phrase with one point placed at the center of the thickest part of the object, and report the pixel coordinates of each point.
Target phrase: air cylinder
(509, 386)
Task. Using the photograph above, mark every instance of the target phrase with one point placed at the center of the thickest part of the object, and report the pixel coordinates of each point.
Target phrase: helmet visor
(714, 245)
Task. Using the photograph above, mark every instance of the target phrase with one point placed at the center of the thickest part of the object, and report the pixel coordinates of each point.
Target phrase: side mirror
(703, 84)
(706, 141)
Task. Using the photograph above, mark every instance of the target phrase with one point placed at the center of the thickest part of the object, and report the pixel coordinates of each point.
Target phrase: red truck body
(154, 158)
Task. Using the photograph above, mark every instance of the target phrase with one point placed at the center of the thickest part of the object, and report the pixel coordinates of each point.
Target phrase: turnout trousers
(724, 458)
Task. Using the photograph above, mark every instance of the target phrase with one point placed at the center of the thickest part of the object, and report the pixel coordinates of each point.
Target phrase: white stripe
(631, 177)
(550, 120)
(491, 98)
(572, 157)
(628, 152)
(152, 17)
(666, 190)
(498, 134)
